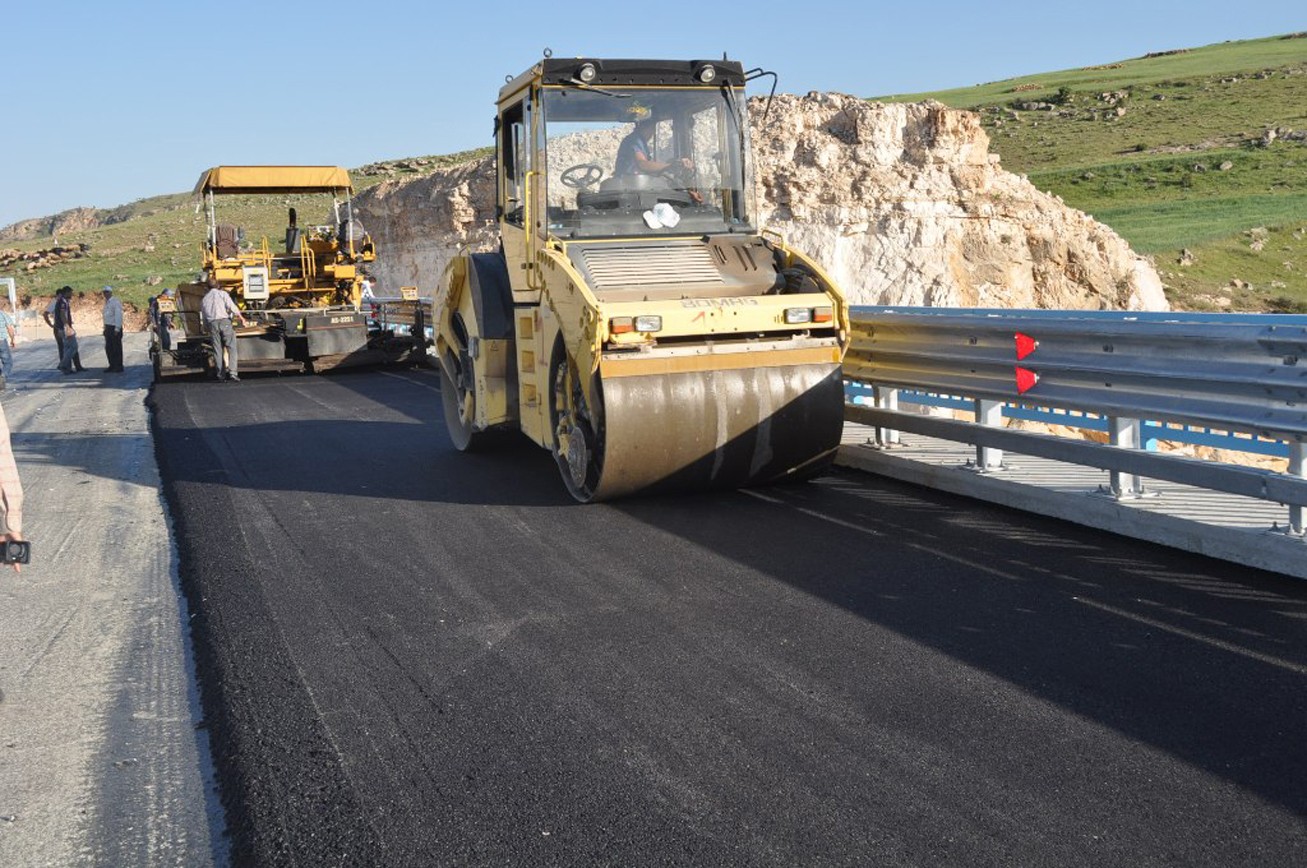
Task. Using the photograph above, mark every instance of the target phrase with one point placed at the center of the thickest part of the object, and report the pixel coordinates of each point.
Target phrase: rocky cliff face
(902, 204)
(419, 224)
(73, 220)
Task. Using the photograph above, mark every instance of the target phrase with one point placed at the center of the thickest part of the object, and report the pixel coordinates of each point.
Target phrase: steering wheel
(683, 178)
(582, 175)
(677, 172)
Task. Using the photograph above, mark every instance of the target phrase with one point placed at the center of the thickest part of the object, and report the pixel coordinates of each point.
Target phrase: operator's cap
(107, 290)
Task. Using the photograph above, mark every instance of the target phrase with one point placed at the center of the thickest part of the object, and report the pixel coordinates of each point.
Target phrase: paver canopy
(273, 179)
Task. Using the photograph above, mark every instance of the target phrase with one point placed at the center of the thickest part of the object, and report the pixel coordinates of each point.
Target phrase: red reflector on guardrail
(1026, 380)
(1025, 345)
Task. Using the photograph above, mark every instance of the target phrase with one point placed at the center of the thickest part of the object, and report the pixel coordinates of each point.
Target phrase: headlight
(587, 72)
(796, 315)
(620, 325)
(706, 73)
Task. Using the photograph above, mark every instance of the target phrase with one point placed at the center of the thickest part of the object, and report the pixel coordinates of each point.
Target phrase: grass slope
(1173, 152)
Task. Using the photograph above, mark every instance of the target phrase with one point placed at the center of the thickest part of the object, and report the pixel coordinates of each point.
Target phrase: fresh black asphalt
(414, 656)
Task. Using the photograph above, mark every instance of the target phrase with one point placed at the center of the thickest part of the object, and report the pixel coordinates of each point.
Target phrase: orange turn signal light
(620, 325)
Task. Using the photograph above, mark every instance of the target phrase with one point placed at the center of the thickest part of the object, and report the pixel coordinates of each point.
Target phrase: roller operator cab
(636, 322)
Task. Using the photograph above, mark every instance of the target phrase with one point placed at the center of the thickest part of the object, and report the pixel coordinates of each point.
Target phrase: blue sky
(111, 102)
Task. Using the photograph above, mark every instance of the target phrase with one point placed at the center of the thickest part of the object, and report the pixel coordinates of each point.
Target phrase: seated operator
(635, 157)
(635, 153)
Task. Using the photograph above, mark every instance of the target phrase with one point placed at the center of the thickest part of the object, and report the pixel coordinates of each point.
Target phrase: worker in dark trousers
(70, 360)
(113, 331)
(217, 309)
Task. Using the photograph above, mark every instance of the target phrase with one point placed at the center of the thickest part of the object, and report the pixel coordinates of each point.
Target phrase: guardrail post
(989, 414)
(1125, 434)
(886, 399)
(1297, 467)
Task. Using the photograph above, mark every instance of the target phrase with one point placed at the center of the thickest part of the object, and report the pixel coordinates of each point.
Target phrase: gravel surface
(101, 761)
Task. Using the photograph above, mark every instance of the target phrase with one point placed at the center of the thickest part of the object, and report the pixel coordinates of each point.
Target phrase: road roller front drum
(578, 427)
(458, 390)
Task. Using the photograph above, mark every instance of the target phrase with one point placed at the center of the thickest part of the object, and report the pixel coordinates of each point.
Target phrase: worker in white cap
(113, 331)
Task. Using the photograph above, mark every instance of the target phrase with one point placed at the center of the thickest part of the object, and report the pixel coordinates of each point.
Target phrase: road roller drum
(711, 429)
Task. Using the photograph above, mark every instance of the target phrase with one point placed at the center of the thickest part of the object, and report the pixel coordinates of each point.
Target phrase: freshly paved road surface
(413, 656)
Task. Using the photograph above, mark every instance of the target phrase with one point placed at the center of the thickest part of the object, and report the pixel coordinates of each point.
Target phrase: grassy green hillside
(1197, 157)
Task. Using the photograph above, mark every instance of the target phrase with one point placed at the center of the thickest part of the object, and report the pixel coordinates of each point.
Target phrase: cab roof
(614, 72)
(273, 179)
(617, 71)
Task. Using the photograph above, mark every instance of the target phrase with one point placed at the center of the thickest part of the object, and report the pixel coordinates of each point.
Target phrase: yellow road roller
(635, 321)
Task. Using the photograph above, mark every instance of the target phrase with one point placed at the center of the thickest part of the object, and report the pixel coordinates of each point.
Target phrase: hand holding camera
(14, 552)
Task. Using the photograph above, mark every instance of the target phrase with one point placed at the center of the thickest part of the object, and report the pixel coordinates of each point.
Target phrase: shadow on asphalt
(1199, 658)
(346, 456)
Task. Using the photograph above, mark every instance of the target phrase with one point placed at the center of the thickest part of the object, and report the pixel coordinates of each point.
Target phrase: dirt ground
(86, 311)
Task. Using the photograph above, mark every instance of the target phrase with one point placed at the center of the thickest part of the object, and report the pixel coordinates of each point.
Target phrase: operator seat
(350, 230)
(228, 243)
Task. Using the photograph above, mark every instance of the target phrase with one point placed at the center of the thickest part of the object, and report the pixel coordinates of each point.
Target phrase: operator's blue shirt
(626, 152)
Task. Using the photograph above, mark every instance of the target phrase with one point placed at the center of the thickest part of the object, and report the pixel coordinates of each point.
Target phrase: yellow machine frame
(319, 267)
(302, 299)
(513, 372)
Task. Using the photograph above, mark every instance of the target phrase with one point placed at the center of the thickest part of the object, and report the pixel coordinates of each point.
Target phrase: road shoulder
(103, 756)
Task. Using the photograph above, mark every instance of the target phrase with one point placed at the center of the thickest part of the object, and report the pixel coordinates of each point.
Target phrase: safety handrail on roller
(532, 234)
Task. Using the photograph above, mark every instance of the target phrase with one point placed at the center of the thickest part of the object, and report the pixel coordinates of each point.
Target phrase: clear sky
(109, 102)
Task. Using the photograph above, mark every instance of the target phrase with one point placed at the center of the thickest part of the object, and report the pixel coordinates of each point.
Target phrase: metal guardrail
(1242, 374)
(1151, 432)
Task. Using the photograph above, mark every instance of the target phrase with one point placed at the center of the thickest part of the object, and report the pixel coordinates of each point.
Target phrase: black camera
(16, 552)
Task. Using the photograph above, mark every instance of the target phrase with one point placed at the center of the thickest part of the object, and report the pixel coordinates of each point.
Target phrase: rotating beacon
(635, 322)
